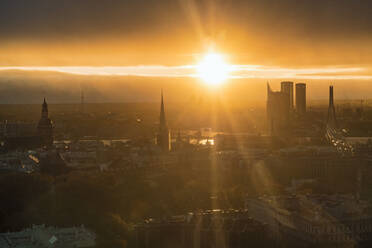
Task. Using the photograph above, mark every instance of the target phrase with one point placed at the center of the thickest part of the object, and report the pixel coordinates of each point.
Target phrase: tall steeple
(163, 123)
(45, 126)
(44, 110)
(163, 137)
(331, 120)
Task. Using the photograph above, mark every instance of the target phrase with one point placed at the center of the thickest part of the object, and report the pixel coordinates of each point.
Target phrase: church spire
(45, 126)
(44, 110)
(163, 123)
(163, 138)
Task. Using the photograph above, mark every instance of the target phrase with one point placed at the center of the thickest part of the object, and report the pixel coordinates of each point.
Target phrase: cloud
(128, 32)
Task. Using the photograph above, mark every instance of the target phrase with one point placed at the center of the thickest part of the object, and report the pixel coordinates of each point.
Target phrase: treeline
(111, 203)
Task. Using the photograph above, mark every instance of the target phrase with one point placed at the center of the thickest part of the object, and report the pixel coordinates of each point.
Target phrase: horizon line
(189, 71)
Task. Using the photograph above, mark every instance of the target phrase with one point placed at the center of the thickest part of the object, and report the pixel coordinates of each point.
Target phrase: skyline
(186, 123)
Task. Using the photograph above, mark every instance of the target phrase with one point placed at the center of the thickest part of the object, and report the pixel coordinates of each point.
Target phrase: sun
(213, 69)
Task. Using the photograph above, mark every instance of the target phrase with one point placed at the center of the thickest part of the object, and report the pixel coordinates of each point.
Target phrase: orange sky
(284, 33)
(301, 40)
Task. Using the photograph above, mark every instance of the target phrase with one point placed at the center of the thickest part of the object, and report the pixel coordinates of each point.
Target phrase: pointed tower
(268, 110)
(163, 137)
(163, 123)
(45, 126)
(44, 110)
(331, 120)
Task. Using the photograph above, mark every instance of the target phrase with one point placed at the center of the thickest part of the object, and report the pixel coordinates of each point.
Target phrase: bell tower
(45, 126)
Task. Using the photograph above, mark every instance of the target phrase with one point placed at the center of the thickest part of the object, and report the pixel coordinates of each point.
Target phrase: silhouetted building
(301, 98)
(163, 139)
(287, 87)
(314, 162)
(45, 126)
(20, 135)
(277, 108)
(331, 120)
(17, 128)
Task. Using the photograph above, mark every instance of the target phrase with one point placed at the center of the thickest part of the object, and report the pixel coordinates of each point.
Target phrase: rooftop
(321, 208)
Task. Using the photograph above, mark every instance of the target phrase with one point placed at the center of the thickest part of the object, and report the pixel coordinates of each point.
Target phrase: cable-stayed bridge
(333, 134)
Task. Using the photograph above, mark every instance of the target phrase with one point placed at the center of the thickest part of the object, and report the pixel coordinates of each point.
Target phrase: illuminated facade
(315, 219)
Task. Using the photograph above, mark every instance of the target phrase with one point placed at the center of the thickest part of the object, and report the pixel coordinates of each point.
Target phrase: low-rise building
(18, 161)
(315, 219)
(40, 236)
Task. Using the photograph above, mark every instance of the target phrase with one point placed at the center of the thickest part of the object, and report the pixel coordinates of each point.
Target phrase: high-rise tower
(163, 137)
(331, 120)
(287, 87)
(277, 108)
(45, 126)
(301, 98)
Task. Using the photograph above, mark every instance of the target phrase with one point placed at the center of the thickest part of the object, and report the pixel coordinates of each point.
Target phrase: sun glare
(212, 69)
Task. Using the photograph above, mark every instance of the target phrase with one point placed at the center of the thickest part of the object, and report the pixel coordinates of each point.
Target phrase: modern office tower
(45, 126)
(331, 121)
(287, 87)
(163, 139)
(301, 98)
(277, 108)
